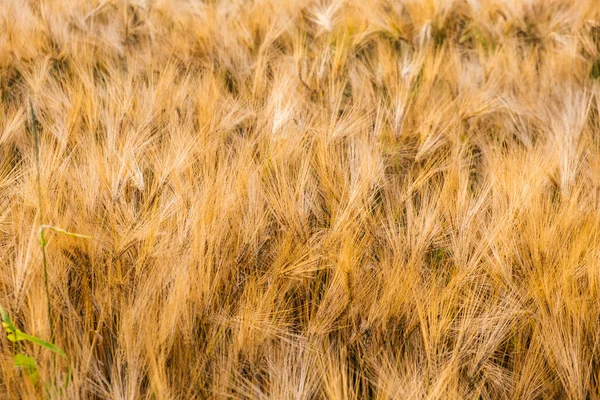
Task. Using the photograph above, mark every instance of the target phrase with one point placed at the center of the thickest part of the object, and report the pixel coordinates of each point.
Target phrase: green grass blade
(6, 321)
(69, 375)
(29, 365)
(19, 335)
(64, 232)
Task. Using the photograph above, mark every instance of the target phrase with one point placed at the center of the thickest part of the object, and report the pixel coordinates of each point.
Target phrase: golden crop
(293, 199)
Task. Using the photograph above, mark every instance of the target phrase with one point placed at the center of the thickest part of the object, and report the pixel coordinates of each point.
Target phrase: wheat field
(293, 199)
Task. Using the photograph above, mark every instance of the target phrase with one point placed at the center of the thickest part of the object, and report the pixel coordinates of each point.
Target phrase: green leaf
(64, 232)
(29, 365)
(26, 363)
(7, 322)
(69, 375)
(17, 335)
(23, 361)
